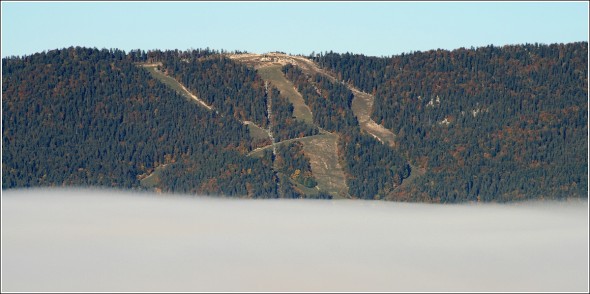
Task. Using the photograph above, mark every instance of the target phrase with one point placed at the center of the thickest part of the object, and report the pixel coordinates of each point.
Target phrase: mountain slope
(486, 124)
(493, 123)
(82, 117)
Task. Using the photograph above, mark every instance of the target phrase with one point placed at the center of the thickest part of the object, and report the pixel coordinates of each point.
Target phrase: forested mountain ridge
(486, 124)
(79, 116)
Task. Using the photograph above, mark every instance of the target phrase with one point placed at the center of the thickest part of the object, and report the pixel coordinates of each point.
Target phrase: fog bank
(89, 240)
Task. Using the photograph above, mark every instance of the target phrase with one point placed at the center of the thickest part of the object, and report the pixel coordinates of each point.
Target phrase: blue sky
(371, 28)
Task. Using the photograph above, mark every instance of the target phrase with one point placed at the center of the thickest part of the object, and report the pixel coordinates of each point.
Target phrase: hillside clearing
(322, 151)
(269, 64)
(275, 76)
(362, 104)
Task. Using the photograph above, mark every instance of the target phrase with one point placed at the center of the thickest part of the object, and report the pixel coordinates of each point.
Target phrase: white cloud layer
(89, 240)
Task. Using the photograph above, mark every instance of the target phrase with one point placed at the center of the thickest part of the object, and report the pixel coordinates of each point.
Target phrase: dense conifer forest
(492, 123)
(481, 124)
(373, 169)
(232, 88)
(78, 117)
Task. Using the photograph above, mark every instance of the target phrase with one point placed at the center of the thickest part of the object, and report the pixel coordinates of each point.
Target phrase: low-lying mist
(91, 240)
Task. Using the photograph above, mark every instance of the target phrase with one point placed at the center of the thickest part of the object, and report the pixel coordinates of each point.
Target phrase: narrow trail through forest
(258, 151)
(362, 106)
(173, 83)
(269, 117)
(322, 149)
(362, 103)
(180, 88)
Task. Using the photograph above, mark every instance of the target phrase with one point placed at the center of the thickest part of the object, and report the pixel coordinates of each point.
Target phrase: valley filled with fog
(96, 240)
